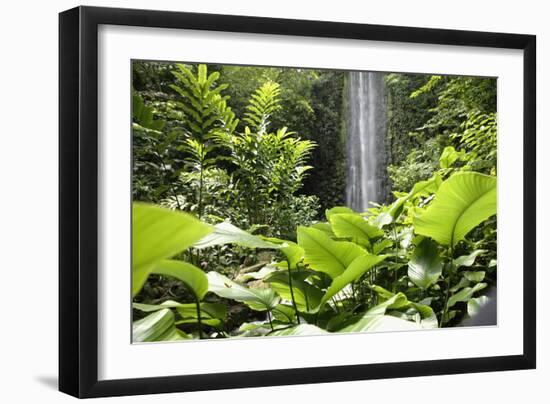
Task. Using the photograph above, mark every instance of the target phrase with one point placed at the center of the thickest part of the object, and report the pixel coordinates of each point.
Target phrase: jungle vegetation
(240, 227)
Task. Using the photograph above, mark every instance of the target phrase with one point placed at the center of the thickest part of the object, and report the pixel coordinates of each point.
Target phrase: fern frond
(261, 105)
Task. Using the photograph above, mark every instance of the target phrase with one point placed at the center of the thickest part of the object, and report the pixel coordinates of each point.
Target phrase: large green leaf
(159, 233)
(376, 319)
(421, 188)
(378, 323)
(284, 313)
(354, 271)
(306, 295)
(292, 251)
(325, 227)
(462, 202)
(257, 299)
(226, 233)
(425, 265)
(467, 260)
(449, 156)
(187, 310)
(428, 319)
(337, 210)
(263, 273)
(326, 255)
(157, 326)
(354, 226)
(398, 303)
(465, 294)
(208, 310)
(474, 276)
(254, 329)
(194, 278)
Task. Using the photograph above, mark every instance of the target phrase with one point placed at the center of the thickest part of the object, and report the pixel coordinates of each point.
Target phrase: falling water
(365, 140)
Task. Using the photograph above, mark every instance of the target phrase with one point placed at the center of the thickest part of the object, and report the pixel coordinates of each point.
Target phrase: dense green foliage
(428, 113)
(239, 227)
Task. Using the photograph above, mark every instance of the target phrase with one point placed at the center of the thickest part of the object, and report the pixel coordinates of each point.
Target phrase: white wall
(28, 202)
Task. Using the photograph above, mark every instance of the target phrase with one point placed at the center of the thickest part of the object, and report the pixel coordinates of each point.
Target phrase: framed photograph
(251, 201)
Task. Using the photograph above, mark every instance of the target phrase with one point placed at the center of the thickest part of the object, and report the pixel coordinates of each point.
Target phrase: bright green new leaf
(376, 318)
(397, 301)
(159, 233)
(354, 271)
(338, 210)
(226, 233)
(449, 157)
(284, 313)
(326, 255)
(292, 251)
(474, 276)
(382, 293)
(254, 329)
(465, 294)
(426, 187)
(158, 326)
(462, 202)
(148, 308)
(425, 265)
(194, 278)
(208, 310)
(306, 295)
(263, 273)
(354, 226)
(421, 188)
(256, 299)
(381, 245)
(463, 282)
(467, 260)
(428, 319)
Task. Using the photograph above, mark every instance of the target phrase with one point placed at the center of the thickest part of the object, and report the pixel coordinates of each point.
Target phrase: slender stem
(375, 295)
(199, 319)
(201, 184)
(269, 318)
(396, 254)
(447, 289)
(335, 305)
(292, 291)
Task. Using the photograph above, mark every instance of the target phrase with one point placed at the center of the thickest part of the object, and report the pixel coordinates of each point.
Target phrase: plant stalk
(396, 254)
(447, 289)
(201, 185)
(199, 318)
(270, 321)
(292, 292)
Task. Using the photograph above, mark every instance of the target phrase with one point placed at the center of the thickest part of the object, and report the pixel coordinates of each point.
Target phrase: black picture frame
(78, 201)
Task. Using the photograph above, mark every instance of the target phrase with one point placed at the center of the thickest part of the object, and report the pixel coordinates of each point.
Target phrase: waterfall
(366, 179)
